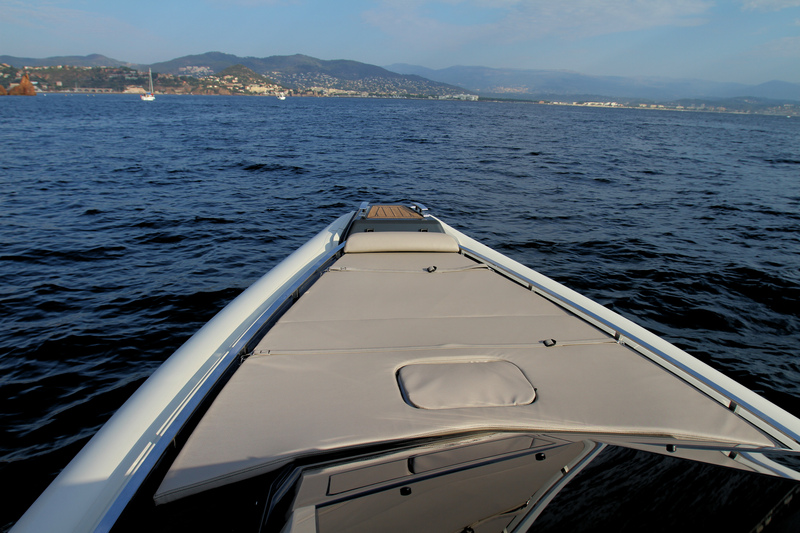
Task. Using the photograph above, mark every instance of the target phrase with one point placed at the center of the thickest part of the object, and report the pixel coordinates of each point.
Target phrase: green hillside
(302, 73)
(244, 75)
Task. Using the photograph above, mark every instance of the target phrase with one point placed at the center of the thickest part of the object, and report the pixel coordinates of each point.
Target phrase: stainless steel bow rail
(762, 420)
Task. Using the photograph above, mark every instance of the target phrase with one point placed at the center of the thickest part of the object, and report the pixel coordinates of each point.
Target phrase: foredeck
(392, 346)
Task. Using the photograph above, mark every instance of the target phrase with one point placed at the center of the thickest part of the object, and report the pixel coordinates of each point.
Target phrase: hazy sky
(749, 41)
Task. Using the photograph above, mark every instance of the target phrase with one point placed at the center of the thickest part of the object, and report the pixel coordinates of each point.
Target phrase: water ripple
(126, 227)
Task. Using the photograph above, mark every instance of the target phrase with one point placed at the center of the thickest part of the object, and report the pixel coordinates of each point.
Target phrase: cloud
(71, 24)
(588, 18)
(416, 24)
(250, 3)
(404, 21)
(770, 5)
(27, 15)
(784, 47)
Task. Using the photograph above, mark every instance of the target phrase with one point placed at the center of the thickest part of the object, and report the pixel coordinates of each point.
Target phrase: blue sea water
(126, 225)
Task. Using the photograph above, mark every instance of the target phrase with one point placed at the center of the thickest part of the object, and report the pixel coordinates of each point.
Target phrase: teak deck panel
(392, 211)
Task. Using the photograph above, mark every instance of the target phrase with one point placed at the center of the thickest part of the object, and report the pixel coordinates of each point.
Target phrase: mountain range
(92, 60)
(295, 72)
(510, 83)
(301, 71)
(304, 71)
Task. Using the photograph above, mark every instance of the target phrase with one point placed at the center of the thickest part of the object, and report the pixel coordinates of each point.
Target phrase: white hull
(728, 424)
(150, 95)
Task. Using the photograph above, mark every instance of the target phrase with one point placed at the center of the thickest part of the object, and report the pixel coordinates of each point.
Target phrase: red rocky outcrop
(25, 87)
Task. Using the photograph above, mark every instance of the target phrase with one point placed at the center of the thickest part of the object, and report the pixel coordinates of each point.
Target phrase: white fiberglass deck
(346, 366)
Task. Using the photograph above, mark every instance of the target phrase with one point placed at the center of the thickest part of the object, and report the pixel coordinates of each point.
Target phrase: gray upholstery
(459, 385)
(400, 241)
(326, 375)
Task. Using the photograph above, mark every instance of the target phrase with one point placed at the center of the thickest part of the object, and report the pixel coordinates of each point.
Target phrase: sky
(744, 41)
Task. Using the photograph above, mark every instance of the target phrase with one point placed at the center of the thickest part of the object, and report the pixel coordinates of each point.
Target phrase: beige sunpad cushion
(326, 375)
(400, 241)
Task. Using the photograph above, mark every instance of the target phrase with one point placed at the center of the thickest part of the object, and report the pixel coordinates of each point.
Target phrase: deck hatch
(463, 385)
(464, 454)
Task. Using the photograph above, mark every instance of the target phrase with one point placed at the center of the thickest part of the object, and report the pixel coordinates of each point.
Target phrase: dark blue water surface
(126, 225)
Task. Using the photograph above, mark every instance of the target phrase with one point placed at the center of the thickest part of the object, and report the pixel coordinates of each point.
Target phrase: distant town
(783, 109)
(240, 80)
(235, 80)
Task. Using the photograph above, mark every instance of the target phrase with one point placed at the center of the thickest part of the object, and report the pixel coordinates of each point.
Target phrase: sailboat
(149, 96)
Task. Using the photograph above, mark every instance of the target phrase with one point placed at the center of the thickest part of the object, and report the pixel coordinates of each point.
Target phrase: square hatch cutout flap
(464, 384)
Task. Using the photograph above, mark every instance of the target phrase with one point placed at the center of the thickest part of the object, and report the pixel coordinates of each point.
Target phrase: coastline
(778, 111)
